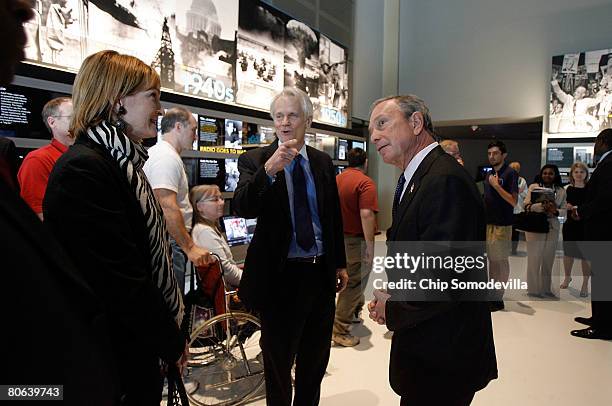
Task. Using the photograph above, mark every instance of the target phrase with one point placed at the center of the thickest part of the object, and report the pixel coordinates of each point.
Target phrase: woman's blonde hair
(580, 165)
(198, 193)
(104, 78)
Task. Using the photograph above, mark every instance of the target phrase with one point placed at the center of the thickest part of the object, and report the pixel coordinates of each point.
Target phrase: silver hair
(408, 105)
(302, 97)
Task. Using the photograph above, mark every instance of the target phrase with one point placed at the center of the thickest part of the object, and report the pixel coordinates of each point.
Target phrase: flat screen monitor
(21, 111)
(210, 131)
(236, 230)
(342, 149)
(231, 174)
(358, 144)
(233, 134)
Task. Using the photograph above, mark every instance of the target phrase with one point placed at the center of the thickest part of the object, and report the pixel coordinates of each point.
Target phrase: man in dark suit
(296, 260)
(596, 213)
(442, 352)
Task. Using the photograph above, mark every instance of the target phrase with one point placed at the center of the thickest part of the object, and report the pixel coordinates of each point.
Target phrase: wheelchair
(225, 356)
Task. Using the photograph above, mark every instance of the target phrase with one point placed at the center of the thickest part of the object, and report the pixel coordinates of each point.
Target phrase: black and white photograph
(333, 94)
(302, 58)
(581, 92)
(54, 34)
(233, 134)
(231, 174)
(204, 48)
(259, 64)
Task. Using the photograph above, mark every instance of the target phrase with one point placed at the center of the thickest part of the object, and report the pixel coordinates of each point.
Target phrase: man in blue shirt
(295, 262)
(500, 195)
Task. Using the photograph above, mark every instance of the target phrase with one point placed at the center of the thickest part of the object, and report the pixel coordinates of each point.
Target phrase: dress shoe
(566, 283)
(345, 340)
(592, 334)
(584, 320)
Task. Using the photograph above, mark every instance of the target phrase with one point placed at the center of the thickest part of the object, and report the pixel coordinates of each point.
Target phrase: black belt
(307, 260)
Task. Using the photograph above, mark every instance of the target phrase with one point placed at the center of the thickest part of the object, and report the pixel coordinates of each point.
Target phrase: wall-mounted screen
(211, 172)
(210, 131)
(565, 154)
(358, 144)
(581, 92)
(233, 134)
(231, 51)
(342, 149)
(21, 109)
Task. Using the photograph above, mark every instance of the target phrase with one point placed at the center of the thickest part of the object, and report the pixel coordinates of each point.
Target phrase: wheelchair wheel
(226, 360)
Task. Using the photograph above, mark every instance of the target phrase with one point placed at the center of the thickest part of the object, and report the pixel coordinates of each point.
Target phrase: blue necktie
(398, 193)
(304, 233)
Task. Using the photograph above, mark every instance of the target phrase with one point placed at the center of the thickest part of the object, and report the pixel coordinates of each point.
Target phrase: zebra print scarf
(131, 158)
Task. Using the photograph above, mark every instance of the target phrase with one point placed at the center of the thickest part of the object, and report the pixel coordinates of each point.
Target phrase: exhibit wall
(482, 59)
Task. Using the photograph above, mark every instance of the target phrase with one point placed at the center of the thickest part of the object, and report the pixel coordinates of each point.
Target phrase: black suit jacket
(91, 209)
(596, 211)
(55, 330)
(438, 345)
(255, 196)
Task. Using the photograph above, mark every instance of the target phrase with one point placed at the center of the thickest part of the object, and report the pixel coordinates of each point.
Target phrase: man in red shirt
(359, 204)
(37, 165)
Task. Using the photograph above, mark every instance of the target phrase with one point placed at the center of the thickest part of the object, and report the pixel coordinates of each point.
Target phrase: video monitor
(233, 134)
(231, 174)
(211, 172)
(562, 157)
(342, 149)
(358, 144)
(21, 111)
(210, 131)
(236, 230)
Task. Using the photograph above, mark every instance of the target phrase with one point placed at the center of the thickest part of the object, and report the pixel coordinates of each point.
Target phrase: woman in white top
(208, 203)
(541, 247)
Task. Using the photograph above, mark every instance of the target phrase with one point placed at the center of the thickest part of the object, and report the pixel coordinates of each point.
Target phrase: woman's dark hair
(555, 169)
(356, 157)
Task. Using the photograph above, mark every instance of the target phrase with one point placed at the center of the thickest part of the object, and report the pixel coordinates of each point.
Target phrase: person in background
(38, 164)
(359, 204)
(101, 208)
(166, 174)
(500, 196)
(451, 147)
(522, 193)
(541, 247)
(573, 229)
(208, 204)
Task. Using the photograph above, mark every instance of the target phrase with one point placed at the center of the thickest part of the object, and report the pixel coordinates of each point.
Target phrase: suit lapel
(280, 184)
(413, 187)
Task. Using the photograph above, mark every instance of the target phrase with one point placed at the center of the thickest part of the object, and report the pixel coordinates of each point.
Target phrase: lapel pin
(411, 188)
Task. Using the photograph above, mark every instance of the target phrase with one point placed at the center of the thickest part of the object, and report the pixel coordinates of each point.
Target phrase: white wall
(483, 59)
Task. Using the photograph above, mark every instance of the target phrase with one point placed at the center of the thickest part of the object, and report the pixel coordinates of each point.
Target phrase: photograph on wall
(204, 48)
(581, 92)
(585, 155)
(250, 133)
(233, 134)
(331, 106)
(259, 64)
(268, 134)
(302, 58)
(54, 34)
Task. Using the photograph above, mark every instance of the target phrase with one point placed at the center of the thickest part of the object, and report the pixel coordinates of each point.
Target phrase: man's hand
(199, 256)
(494, 181)
(341, 279)
(284, 154)
(377, 306)
(182, 361)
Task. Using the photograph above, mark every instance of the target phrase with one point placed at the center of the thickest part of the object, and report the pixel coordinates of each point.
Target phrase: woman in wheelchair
(208, 204)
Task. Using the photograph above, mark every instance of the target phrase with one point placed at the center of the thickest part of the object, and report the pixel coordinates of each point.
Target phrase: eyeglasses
(212, 199)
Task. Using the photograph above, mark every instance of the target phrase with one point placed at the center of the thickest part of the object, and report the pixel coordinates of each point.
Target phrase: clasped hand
(377, 306)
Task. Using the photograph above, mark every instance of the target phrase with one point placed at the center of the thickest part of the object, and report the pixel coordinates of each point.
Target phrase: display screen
(231, 174)
(233, 134)
(358, 144)
(236, 230)
(21, 111)
(232, 51)
(210, 131)
(342, 149)
(562, 157)
(212, 172)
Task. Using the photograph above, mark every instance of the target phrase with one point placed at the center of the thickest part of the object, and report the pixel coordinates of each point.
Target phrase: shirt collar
(58, 145)
(413, 165)
(604, 156)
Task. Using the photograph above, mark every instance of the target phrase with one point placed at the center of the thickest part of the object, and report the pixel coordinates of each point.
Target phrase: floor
(539, 362)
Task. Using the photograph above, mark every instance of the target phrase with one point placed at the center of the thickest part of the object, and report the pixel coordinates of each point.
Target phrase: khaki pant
(351, 299)
(541, 248)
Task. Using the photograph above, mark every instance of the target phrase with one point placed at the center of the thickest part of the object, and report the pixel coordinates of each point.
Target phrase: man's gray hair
(51, 109)
(302, 97)
(408, 105)
(173, 116)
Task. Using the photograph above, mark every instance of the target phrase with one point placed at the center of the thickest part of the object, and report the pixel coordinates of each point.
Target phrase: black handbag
(532, 222)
